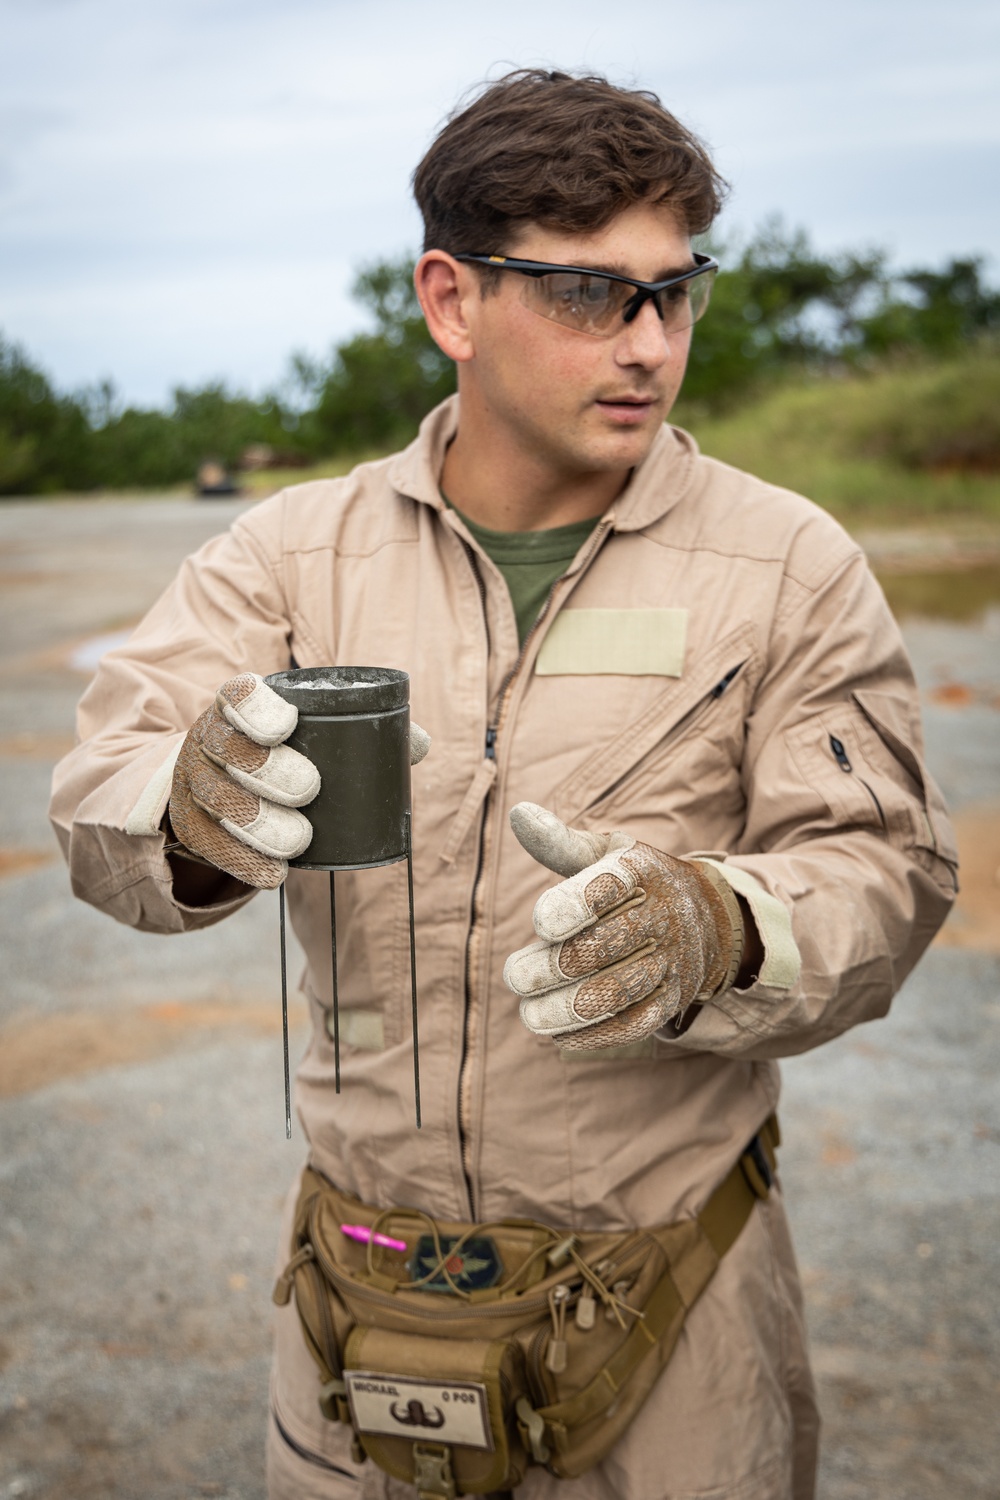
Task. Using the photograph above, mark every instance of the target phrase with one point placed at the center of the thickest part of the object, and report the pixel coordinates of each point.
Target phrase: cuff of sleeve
(782, 961)
(724, 890)
(147, 814)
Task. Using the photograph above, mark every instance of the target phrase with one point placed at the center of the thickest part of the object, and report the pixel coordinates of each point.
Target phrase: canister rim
(332, 691)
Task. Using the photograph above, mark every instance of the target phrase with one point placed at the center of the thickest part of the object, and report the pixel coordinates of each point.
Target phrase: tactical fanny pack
(481, 1349)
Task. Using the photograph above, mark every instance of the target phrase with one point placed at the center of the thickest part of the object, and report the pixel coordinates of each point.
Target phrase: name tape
(401, 1406)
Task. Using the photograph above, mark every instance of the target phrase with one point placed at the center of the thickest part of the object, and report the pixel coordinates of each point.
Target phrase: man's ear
(444, 288)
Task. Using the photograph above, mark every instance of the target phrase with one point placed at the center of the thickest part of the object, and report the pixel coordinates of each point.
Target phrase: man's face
(578, 403)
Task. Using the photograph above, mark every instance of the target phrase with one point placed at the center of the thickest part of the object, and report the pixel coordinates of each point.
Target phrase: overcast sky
(187, 186)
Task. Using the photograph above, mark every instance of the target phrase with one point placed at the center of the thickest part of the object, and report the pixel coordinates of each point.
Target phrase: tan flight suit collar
(656, 486)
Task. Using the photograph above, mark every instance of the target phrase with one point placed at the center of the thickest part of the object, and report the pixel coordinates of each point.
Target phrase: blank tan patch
(364, 1029)
(625, 642)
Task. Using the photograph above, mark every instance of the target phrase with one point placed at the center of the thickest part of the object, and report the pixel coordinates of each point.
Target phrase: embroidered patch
(475, 1265)
(401, 1406)
(603, 642)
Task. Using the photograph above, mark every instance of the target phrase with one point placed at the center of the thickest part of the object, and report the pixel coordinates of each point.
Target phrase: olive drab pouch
(481, 1349)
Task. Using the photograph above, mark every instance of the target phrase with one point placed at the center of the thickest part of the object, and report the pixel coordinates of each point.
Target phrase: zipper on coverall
(843, 761)
(486, 825)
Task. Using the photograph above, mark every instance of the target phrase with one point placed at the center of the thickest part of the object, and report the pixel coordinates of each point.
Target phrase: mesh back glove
(237, 786)
(629, 940)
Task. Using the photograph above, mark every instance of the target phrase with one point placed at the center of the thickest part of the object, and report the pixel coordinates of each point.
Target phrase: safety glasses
(588, 301)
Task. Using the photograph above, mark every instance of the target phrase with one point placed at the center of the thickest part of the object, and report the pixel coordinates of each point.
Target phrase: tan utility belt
(481, 1349)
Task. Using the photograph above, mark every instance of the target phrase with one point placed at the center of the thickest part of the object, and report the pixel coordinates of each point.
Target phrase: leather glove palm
(629, 940)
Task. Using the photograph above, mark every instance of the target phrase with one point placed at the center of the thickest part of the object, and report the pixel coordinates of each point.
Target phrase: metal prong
(333, 962)
(284, 1011)
(413, 970)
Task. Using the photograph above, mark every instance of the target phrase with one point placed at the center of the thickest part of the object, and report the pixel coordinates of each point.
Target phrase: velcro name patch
(605, 642)
(399, 1406)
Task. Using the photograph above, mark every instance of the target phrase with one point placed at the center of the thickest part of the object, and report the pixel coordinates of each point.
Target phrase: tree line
(779, 309)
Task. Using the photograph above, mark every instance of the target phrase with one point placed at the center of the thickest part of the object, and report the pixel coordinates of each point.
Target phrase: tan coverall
(746, 692)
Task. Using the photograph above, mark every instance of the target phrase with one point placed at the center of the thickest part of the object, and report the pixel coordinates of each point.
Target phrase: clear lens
(593, 304)
(590, 304)
(682, 305)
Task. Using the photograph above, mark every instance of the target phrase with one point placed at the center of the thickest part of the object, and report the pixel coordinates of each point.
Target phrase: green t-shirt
(530, 561)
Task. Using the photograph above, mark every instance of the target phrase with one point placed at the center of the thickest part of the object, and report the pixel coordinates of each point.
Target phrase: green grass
(916, 442)
(264, 482)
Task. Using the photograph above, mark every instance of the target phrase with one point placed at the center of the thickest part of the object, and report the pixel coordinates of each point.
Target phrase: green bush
(907, 440)
(940, 418)
(44, 438)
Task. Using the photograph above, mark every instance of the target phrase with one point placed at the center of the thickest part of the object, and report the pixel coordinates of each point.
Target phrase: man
(604, 631)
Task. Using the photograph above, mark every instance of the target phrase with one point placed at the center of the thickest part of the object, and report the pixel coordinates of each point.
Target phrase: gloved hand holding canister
(237, 787)
(628, 941)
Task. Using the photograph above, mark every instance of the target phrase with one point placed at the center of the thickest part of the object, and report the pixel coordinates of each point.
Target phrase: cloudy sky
(187, 186)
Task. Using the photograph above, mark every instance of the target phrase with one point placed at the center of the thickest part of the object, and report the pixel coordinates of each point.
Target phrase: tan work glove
(630, 939)
(236, 786)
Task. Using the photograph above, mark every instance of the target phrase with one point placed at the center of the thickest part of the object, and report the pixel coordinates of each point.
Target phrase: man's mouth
(627, 408)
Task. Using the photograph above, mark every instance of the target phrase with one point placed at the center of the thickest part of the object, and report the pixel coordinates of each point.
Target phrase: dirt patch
(11, 576)
(953, 694)
(23, 861)
(837, 1152)
(37, 1052)
(975, 921)
(28, 746)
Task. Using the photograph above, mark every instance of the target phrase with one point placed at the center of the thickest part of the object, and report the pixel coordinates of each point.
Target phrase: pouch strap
(721, 1220)
(728, 1209)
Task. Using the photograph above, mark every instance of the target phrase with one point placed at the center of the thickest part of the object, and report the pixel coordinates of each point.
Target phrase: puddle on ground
(962, 594)
(86, 657)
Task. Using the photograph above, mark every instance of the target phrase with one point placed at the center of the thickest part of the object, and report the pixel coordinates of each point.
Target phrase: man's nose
(644, 341)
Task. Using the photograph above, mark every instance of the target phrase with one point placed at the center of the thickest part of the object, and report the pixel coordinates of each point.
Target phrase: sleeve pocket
(863, 758)
(890, 745)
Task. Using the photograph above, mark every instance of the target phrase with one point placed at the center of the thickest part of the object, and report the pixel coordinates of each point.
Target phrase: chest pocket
(686, 744)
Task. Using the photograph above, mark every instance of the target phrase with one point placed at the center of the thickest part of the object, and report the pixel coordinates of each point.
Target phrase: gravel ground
(144, 1159)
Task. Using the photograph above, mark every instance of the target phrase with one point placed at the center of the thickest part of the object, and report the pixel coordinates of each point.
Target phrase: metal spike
(413, 968)
(336, 997)
(284, 1011)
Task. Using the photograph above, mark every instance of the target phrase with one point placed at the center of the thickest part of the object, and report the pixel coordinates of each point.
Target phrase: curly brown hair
(559, 150)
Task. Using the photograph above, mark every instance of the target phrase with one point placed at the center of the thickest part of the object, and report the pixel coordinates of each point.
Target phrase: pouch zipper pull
(285, 1282)
(586, 1309)
(560, 1251)
(556, 1353)
(840, 754)
(619, 1293)
(491, 742)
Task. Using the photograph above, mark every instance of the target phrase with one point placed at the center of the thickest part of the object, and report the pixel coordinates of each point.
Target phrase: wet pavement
(143, 1156)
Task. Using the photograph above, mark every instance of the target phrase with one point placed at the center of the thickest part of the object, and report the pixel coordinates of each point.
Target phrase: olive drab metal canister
(354, 725)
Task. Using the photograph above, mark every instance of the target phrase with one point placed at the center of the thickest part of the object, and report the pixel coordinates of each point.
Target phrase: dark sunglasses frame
(646, 291)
